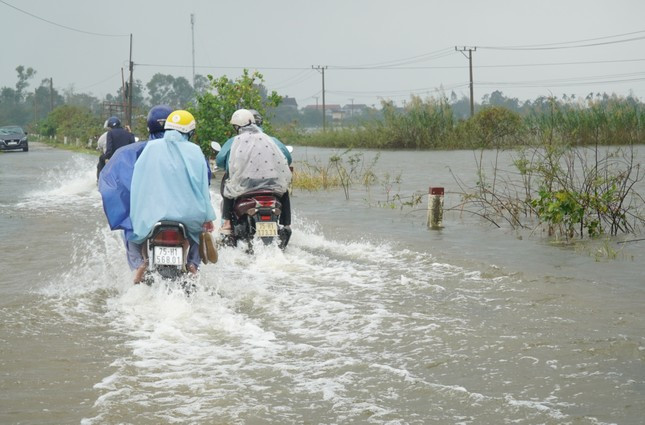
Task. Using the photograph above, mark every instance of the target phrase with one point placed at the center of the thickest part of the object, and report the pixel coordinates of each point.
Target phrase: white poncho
(256, 163)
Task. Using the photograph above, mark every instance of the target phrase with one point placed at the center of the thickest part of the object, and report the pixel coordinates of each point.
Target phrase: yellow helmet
(180, 120)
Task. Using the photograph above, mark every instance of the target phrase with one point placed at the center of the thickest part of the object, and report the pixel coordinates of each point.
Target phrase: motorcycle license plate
(266, 229)
(168, 255)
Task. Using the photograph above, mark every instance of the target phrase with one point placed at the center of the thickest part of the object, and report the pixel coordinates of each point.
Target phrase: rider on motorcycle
(242, 175)
(170, 182)
(117, 137)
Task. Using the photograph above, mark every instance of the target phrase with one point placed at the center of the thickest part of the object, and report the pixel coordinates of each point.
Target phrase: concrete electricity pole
(321, 69)
(131, 86)
(470, 51)
(192, 28)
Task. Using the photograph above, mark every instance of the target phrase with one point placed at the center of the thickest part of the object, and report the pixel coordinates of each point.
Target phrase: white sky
(284, 38)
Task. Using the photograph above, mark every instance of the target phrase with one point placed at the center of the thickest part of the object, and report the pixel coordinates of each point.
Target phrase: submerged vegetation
(575, 173)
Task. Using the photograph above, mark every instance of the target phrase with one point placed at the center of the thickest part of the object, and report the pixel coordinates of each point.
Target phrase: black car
(13, 137)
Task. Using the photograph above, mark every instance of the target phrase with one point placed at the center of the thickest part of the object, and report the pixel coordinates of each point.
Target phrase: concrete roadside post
(435, 208)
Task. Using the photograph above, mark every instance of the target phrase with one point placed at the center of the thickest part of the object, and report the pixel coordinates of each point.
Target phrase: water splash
(69, 185)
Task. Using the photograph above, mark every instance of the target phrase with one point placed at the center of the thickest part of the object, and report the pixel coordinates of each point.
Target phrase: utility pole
(192, 29)
(131, 86)
(321, 69)
(470, 51)
(51, 94)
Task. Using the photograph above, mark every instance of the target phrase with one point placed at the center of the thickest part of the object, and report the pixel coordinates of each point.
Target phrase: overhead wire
(62, 26)
(576, 43)
(413, 59)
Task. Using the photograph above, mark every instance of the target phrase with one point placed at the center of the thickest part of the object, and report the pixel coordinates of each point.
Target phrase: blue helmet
(157, 119)
(113, 122)
(257, 116)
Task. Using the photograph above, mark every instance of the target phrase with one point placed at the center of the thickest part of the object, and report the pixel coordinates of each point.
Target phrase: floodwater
(366, 318)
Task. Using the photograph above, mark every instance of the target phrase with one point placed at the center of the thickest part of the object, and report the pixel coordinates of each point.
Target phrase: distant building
(355, 109)
(330, 110)
(289, 102)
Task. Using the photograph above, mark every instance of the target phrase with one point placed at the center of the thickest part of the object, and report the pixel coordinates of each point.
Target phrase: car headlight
(24, 139)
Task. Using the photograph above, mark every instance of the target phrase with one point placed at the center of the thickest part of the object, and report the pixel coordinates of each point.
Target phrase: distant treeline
(441, 122)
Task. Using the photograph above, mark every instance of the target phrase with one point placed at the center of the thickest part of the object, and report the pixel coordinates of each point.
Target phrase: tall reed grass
(431, 124)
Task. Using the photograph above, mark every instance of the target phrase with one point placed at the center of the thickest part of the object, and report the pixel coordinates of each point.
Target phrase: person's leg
(135, 259)
(193, 260)
(100, 165)
(227, 213)
(227, 206)
(285, 217)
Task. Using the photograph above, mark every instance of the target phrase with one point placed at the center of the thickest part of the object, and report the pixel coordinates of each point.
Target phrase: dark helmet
(113, 122)
(157, 118)
(257, 116)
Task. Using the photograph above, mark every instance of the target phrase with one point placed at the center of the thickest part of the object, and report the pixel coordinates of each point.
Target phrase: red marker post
(435, 208)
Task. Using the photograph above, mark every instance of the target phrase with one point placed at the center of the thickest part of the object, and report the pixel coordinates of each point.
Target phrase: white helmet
(242, 118)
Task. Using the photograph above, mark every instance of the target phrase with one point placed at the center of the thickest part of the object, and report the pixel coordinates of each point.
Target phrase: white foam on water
(72, 184)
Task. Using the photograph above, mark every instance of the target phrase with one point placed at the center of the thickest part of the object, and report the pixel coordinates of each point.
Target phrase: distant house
(333, 111)
(355, 109)
(289, 102)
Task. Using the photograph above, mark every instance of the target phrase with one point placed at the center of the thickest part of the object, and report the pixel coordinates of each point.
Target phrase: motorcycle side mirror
(216, 146)
(290, 148)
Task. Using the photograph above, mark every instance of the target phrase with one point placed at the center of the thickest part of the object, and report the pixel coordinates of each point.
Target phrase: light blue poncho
(170, 182)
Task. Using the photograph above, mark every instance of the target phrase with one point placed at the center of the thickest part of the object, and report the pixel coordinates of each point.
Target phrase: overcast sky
(374, 49)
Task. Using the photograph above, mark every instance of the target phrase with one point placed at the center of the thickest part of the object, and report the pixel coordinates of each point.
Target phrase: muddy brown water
(366, 318)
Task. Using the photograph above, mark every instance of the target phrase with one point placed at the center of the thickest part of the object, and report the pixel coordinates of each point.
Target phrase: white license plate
(168, 255)
(266, 229)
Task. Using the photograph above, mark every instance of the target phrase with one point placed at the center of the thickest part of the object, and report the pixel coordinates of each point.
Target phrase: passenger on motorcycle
(242, 175)
(170, 182)
(115, 182)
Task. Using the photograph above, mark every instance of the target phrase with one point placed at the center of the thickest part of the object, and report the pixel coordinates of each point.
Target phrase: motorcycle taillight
(169, 237)
(265, 201)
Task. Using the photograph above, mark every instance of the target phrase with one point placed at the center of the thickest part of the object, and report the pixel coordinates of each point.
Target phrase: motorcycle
(166, 251)
(256, 214)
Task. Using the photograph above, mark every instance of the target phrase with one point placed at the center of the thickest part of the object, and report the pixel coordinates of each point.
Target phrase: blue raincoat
(114, 185)
(170, 182)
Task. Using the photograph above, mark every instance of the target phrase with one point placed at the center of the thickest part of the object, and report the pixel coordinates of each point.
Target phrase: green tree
(214, 108)
(24, 75)
(73, 122)
(165, 89)
(202, 83)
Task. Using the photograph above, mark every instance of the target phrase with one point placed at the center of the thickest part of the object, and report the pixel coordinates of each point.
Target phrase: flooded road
(366, 318)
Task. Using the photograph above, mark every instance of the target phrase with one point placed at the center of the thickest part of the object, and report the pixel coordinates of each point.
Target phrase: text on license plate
(169, 255)
(266, 228)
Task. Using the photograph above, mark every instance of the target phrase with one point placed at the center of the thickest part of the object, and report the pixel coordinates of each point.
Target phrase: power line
(300, 77)
(579, 79)
(62, 26)
(354, 68)
(579, 41)
(556, 47)
(539, 84)
(419, 58)
(282, 68)
(102, 81)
